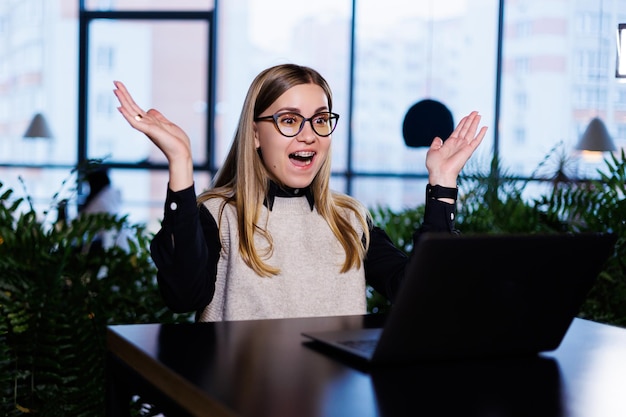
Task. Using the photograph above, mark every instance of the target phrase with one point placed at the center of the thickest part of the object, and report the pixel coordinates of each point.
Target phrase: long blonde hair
(242, 181)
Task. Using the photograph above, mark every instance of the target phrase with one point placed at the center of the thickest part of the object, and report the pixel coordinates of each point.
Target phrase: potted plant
(58, 292)
(492, 202)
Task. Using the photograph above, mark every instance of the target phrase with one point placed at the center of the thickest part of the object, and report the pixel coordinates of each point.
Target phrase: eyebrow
(297, 110)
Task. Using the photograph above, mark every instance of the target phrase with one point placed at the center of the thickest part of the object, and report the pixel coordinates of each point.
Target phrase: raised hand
(168, 137)
(445, 160)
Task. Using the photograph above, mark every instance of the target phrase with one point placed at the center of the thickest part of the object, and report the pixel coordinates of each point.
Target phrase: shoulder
(352, 209)
(218, 205)
(349, 204)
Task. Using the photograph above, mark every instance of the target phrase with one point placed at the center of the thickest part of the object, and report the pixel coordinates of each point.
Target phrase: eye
(321, 119)
(289, 119)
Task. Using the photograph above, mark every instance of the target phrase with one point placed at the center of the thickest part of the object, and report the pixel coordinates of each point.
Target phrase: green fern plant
(598, 206)
(58, 292)
(492, 202)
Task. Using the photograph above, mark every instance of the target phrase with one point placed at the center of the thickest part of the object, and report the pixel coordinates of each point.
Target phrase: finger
(469, 122)
(479, 137)
(470, 133)
(131, 117)
(123, 95)
(129, 108)
(158, 115)
(459, 126)
(436, 143)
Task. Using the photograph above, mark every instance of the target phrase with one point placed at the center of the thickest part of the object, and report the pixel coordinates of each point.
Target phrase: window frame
(86, 17)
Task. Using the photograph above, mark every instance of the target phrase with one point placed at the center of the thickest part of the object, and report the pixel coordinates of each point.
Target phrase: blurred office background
(539, 71)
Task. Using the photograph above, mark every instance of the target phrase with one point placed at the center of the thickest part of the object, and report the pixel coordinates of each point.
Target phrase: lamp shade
(38, 128)
(426, 120)
(596, 138)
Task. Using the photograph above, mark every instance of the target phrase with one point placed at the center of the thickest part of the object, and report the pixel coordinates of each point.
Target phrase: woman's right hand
(168, 137)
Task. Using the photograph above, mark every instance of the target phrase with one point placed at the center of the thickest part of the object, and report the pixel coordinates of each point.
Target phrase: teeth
(304, 157)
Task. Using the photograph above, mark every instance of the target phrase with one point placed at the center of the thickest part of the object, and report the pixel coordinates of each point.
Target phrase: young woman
(270, 239)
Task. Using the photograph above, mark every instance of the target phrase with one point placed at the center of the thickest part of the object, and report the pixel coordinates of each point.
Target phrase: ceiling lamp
(38, 128)
(596, 138)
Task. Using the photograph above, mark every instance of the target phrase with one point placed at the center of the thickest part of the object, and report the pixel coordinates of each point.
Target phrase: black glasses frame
(334, 117)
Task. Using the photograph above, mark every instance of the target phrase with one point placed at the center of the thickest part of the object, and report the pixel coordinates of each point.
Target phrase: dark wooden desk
(263, 368)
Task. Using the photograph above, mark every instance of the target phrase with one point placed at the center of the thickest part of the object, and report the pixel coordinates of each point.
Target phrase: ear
(257, 144)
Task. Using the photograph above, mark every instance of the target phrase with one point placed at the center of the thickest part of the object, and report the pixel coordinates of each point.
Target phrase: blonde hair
(242, 181)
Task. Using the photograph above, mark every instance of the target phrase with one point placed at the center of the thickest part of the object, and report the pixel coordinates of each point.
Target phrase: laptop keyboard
(367, 346)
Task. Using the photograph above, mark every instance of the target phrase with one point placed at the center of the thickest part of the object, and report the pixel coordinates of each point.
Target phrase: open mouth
(302, 158)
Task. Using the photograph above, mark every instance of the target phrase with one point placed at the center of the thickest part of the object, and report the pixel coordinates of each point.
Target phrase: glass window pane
(394, 193)
(143, 193)
(338, 183)
(410, 51)
(44, 187)
(165, 66)
(279, 31)
(38, 73)
(149, 5)
(563, 64)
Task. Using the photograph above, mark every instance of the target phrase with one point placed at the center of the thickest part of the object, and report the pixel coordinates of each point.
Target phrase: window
(424, 51)
(164, 67)
(521, 100)
(561, 102)
(520, 136)
(304, 35)
(105, 58)
(190, 61)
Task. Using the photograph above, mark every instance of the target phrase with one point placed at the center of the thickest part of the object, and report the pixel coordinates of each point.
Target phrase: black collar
(276, 190)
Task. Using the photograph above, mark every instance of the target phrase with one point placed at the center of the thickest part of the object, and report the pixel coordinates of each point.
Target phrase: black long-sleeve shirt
(186, 250)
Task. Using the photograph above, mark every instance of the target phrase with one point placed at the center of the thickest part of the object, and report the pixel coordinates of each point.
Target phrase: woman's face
(294, 161)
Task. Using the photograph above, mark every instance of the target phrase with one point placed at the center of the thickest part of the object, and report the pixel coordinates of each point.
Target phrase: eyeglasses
(290, 124)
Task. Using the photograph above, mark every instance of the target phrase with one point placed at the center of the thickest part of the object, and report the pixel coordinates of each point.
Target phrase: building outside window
(380, 59)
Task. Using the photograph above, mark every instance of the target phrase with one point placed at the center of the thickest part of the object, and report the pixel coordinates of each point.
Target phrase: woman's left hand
(446, 159)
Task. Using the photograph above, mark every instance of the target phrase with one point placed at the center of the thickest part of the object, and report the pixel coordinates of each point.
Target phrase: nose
(307, 134)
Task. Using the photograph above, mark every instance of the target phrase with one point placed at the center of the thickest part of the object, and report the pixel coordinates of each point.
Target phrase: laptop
(481, 296)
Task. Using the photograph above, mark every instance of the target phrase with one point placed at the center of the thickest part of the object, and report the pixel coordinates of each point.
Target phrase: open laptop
(483, 296)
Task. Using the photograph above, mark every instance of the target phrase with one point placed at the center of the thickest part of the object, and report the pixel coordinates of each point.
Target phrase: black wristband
(437, 191)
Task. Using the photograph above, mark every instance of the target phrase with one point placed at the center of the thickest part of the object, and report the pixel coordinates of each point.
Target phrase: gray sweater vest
(309, 257)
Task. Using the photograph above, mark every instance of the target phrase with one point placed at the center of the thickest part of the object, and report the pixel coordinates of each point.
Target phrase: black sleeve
(185, 251)
(385, 263)
(438, 217)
